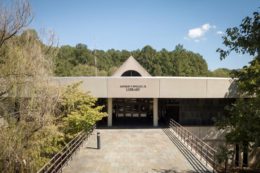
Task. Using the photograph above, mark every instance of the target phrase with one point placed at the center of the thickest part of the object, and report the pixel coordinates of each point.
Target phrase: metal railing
(61, 158)
(196, 144)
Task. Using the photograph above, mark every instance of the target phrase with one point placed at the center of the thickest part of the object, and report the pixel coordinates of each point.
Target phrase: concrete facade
(154, 87)
(130, 64)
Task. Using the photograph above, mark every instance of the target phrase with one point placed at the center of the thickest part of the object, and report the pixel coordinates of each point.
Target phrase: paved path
(134, 151)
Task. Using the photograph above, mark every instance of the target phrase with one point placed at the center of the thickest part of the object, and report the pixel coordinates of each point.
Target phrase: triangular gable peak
(131, 68)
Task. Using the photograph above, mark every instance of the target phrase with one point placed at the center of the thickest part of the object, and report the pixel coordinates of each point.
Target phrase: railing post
(196, 148)
(213, 163)
(201, 153)
(98, 140)
(206, 156)
(186, 138)
(191, 144)
(181, 134)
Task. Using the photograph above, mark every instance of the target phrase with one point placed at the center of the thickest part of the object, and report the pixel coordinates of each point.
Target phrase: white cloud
(220, 32)
(197, 33)
(205, 27)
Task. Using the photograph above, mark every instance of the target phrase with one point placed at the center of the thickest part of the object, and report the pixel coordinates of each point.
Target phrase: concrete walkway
(134, 151)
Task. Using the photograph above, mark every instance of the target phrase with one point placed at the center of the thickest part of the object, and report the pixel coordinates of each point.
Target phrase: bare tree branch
(13, 19)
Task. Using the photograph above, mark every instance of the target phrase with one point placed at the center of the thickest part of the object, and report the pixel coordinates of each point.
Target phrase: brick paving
(130, 151)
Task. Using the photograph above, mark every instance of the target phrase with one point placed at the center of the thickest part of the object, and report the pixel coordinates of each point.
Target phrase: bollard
(98, 140)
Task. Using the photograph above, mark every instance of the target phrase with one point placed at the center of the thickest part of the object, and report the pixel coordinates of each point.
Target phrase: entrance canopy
(154, 87)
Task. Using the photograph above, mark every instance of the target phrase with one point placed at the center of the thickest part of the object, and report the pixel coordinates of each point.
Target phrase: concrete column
(155, 112)
(109, 111)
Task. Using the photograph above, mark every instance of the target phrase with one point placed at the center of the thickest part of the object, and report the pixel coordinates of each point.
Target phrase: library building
(133, 96)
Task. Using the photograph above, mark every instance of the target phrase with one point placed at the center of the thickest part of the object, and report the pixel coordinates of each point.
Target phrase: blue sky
(132, 24)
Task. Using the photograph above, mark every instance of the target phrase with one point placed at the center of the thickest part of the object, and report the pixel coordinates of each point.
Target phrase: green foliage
(249, 78)
(243, 123)
(85, 70)
(36, 126)
(80, 61)
(64, 61)
(223, 155)
(30, 133)
(243, 39)
(78, 111)
(27, 138)
(221, 72)
(188, 63)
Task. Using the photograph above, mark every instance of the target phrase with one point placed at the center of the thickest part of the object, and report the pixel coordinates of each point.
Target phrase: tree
(187, 63)
(29, 135)
(148, 60)
(243, 124)
(244, 39)
(77, 111)
(221, 72)
(13, 19)
(26, 98)
(28, 104)
(79, 60)
(64, 61)
(83, 70)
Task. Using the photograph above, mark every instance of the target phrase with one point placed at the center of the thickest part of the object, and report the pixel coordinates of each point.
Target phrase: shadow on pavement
(198, 166)
(173, 170)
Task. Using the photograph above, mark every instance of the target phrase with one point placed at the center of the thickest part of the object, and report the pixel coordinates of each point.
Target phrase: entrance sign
(133, 87)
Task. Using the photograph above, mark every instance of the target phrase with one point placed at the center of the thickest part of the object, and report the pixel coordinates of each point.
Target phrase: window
(131, 73)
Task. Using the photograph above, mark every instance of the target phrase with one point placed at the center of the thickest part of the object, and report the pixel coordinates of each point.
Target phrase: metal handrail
(196, 144)
(60, 159)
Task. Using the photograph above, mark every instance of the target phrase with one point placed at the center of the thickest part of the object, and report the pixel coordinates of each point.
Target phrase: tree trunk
(245, 154)
(237, 155)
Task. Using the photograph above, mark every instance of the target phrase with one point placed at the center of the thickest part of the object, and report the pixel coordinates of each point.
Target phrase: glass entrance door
(132, 110)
